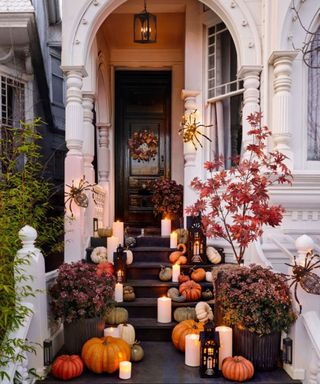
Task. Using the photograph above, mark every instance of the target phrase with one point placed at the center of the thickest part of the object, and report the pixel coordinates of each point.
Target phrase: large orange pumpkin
(105, 354)
(191, 290)
(182, 329)
(198, 274)
(237, 368)
(66, 367)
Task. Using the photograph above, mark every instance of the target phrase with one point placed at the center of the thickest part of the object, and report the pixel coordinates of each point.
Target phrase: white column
(251, 97)
(191, 170)
(104, 165)
(281, 124)
(88, 137)
(74, 169)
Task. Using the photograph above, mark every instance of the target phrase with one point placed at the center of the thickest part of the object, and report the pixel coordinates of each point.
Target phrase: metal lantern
(120, 264)
(145, 27)
(196, 241)
(287, 350)
(209, 351)
(47, 352)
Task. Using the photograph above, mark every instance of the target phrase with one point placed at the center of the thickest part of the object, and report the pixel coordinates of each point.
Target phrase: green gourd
(184, 313)
(116, 315)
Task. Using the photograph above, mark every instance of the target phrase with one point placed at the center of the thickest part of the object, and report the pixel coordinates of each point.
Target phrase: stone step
(150, 270)
(153, 241)
(156, 288)
(148, 329)
(147, 307)
(151, 254)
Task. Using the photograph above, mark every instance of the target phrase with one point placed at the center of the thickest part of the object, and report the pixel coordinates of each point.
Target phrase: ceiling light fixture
(145, 27)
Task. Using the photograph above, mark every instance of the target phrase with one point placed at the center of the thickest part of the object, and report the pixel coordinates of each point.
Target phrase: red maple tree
(234, 204)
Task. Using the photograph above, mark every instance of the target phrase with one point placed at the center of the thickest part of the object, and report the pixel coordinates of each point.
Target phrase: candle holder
(209, 351)
(120, 264)
(196, 241)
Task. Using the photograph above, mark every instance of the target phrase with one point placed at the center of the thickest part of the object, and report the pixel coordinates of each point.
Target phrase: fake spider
(301, 274)
(190, 129)
(77, 195)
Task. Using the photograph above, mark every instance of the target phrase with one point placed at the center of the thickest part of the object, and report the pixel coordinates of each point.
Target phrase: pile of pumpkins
(102, 354)
(100, 255)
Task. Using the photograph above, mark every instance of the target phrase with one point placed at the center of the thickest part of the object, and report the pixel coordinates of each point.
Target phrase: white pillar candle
(111, 331)
(192, 356)
(165, 227)
(118, 293)
(112, 244)
(173, 240)
(164, 310)
(175, 272)
(125, 370)
(225, 350)
(118, 230)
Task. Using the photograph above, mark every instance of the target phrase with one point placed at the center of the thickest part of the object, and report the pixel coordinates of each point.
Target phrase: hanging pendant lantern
(145, 27)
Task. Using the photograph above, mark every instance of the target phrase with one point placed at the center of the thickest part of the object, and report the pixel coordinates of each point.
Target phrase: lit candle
(175, 272)
(125, 370)
(111, 331)
(112, 244)
(192, 356)
(164, 310)
(118, 230)
(173, 240)
(118, 293)
(165, 227)
(225, 336)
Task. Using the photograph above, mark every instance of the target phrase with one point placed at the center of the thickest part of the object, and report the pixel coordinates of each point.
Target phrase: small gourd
(165, 273)
(137, 352)
(184, 313)
(128, 293)
(129, 256)
(177, 257)
(209, 276)
(198, 274)
(130, 241)
(204, 312)
(213, 255)
(207, 294)
(173, 293)
(99, 254)
(127, 333)
(116, 315)
(237, 368)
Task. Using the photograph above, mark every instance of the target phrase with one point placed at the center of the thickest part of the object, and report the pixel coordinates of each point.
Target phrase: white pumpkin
(213, 255)
(127, 333)
(204, 312)
(129, 256)
(99, 254)
(209, 276)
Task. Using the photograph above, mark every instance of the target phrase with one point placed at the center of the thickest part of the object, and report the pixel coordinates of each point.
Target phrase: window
(314, 99)
(12, 107)
(224, 93)
(56, 79)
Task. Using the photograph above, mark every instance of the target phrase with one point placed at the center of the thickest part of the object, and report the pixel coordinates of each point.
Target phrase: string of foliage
(24, 200)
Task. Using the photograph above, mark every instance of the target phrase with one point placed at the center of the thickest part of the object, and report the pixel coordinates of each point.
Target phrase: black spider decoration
(77, 195)
(190, 129)
(301, 274)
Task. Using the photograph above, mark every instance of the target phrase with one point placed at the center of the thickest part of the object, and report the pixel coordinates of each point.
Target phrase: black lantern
(145, 27)
(209, 351)
(287, 350)
(196, 241)
(47, 352)
(120, 264)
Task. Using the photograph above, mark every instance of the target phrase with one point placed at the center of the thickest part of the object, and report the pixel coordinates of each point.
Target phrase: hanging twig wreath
(143, 145)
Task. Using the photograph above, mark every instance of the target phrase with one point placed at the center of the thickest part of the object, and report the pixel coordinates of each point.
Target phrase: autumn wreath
(143, 145)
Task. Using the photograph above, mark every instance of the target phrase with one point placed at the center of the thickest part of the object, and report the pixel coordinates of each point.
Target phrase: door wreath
(143, 145)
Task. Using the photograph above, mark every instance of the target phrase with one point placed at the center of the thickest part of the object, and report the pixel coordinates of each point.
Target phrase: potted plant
(235, 204)
(256, 302)
(167, 198)
(80, 297)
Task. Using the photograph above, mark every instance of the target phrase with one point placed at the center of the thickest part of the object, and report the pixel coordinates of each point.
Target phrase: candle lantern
(287, 350)
(120, 264)
(196, 241)
(209, 351)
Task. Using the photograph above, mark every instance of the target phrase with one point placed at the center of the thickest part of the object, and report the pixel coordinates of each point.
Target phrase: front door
(142, 141)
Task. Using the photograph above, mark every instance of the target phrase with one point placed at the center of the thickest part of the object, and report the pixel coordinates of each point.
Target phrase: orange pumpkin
(191, 290)
(182, 278)
(66, 367)
(106, 268)
(182, 329)
(105, 354)
(198, 274)
(237, 368)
